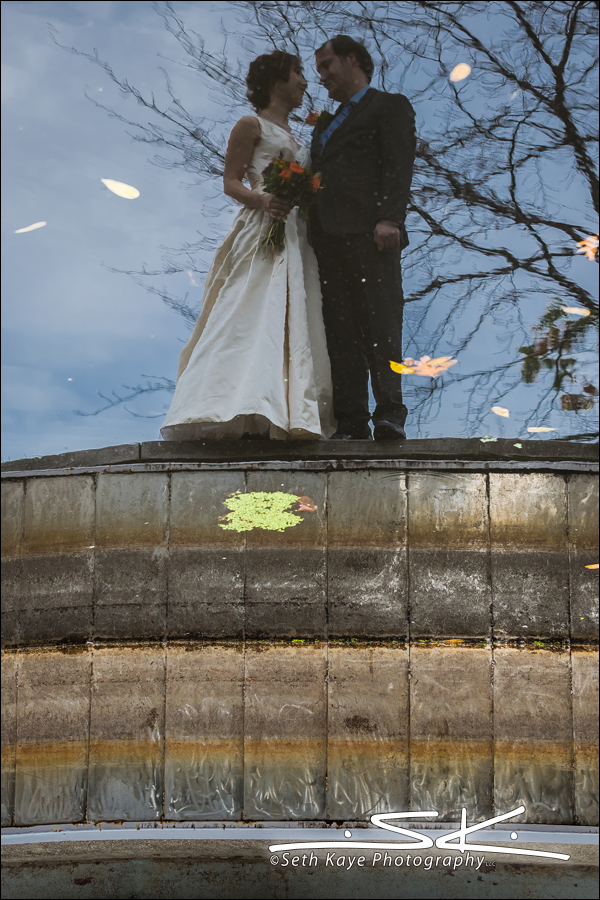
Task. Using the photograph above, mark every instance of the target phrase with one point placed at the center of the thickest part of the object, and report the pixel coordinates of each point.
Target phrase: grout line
(94, 560)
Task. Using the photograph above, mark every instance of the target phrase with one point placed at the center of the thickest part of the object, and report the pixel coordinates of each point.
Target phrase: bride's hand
(277, 209)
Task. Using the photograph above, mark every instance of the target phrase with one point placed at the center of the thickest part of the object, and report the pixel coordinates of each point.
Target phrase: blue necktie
(342, 112)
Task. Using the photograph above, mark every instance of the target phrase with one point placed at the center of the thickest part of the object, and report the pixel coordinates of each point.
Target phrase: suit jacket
(366, 166)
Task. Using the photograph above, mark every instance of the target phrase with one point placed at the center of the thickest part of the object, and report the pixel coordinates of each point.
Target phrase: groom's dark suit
(366, 170)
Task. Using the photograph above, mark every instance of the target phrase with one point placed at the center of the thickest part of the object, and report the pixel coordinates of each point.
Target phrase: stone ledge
(240, 451)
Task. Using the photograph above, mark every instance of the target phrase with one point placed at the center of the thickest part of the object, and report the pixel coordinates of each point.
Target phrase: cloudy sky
(71, 327)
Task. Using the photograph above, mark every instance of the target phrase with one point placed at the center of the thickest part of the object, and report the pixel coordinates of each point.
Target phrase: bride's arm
(240, 149)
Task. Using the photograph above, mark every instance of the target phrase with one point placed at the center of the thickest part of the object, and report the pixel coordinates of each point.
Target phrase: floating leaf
(487, 439)
(460, 72)
(576, 310)
(30, 227)
(575, 402)
(520, 446)
(501, 411)
(539, 429)
(307, 504)
(593, 566)
(425, 366)
(401, 369)
(127, 191)
(589, 246)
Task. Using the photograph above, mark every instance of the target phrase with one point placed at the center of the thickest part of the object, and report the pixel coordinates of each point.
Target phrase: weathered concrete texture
(131, 593)
(528, 529)
(126, 735)
(531, 594)
(366, 564)
(298, 732)
(204, 733)
(367, 731)
(451, 729)
(449, 555)
(285, 733)
(9, 736)
(59, 514)
(583, 551)
(131, 511)
(131, 558)
(197, 507)
(160, 564)
(449, 593)
(533, 752)
(246, 872)
(448, 510)
(52, 737)
(13, 503)
(224, 451)
(105, 456)
(56, 596)
(585, 734)
(206, 592)
(286, 570)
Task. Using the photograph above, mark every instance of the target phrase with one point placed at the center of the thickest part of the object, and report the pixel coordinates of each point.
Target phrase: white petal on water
(501, 411)
(127, 191)
(30, 227)
(460, 72)
(540, 429)
(576, 310)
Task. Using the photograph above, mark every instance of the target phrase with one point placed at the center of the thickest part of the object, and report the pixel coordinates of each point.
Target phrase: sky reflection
(75, 326)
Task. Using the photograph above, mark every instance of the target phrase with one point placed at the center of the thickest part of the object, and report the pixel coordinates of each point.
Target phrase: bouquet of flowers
(292, 182)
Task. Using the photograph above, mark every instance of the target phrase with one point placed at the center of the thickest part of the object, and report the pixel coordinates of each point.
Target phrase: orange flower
(315, 183)
(287, 173)
(296, 168)
(312, 118)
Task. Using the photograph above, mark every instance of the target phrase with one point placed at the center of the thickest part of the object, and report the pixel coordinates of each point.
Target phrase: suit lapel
(356, 111)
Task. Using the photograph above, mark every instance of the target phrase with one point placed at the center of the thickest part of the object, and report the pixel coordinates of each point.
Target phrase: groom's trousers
(362, 310)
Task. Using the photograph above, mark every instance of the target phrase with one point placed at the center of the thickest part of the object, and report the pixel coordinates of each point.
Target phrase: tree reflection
(492, 239)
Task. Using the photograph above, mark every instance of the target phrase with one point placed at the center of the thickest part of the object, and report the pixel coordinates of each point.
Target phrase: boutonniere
(319, 120)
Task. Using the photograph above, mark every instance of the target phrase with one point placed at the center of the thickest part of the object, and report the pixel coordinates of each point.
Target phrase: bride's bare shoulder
(247, 127)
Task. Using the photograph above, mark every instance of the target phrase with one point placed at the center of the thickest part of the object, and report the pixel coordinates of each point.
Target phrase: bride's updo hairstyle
(264, 72)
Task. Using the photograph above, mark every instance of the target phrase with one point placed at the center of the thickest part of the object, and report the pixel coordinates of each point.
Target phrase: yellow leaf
(501, 411)
(595, 566)
(540, 429)
(30, 227)
(577, 310)
(120, 189)
(401, 369)
(460, 72)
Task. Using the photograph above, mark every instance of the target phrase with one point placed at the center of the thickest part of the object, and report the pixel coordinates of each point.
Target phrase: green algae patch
(260, 509)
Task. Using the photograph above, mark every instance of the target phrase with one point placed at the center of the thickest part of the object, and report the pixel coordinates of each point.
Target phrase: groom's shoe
(389, 431)
(352, 434)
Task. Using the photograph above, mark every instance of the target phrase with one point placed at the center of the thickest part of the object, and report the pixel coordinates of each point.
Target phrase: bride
(256, 364)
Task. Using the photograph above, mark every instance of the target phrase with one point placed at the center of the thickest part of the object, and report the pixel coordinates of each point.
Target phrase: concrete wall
(275, 731)
(420, 639)
(384, 555)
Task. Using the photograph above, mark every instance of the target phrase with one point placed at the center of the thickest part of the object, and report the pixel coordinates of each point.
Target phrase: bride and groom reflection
(286, 341)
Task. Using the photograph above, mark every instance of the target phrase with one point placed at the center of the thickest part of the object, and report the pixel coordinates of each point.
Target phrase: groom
(365, 155)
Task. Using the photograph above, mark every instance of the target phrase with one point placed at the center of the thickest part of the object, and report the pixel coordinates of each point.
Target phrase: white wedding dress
(257, 359)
